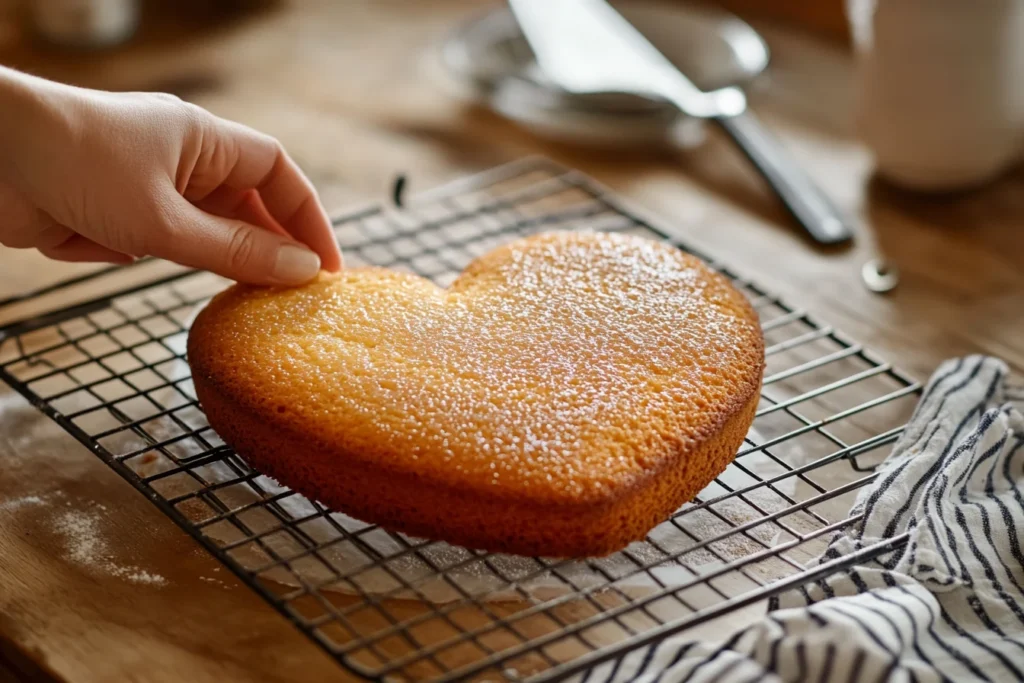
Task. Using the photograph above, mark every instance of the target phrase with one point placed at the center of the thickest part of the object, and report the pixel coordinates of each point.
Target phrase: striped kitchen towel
(947, 606)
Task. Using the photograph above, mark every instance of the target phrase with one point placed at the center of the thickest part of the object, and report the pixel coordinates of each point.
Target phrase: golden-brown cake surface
(565, 394)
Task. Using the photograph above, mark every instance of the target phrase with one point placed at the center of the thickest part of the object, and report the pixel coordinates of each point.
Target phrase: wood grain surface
(347, 87)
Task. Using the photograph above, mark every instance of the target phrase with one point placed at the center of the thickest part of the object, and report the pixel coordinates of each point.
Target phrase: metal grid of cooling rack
(112, 372)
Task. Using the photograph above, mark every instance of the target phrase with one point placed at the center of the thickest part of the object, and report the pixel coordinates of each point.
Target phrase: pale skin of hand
(87, 175)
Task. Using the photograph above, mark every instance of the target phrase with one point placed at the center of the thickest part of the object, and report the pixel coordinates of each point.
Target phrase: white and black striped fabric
(947, 606)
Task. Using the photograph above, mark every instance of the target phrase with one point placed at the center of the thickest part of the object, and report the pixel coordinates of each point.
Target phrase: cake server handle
(801, 196)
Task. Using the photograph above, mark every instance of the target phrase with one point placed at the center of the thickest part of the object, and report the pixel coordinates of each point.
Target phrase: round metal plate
(490, 62)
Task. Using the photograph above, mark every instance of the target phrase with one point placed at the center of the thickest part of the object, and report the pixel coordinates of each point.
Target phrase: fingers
(292, 201)
(232, 248)
(244, 205)
(289, 197)
(78, 249)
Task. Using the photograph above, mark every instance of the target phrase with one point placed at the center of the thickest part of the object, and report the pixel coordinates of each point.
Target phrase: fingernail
(295, 265)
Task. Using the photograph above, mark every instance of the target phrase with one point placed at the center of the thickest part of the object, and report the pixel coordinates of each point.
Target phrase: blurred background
(319, 74)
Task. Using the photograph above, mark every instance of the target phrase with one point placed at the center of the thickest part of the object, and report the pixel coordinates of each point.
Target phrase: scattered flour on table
(17, 503)
(83, 543)
(212, 580)
(136, 575)
(85, 546)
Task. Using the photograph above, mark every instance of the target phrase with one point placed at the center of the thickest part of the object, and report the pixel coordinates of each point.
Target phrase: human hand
(95, 176)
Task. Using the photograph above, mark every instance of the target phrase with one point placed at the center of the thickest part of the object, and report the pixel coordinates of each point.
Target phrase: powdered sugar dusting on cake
(558, 371)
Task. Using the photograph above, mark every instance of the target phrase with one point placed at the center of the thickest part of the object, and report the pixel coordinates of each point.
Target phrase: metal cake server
(585, 46)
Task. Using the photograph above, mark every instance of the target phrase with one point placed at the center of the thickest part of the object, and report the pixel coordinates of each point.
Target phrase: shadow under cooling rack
(112, 372)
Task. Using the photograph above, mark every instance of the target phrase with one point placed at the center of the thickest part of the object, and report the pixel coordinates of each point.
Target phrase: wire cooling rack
(112, 372)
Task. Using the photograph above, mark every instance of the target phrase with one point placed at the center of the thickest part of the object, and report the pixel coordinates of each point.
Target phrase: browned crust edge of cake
(467, 517)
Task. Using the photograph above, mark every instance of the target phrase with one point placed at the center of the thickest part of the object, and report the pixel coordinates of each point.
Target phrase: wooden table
(342, 84)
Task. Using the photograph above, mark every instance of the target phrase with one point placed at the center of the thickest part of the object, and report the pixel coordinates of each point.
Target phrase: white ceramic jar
(940, 88)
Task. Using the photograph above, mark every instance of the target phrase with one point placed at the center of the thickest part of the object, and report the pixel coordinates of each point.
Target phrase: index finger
(288, 195)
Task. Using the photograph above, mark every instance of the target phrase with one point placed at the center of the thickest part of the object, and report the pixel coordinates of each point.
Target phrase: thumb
(232, 248)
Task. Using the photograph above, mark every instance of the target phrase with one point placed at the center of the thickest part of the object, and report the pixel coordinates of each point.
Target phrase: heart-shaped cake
(563, 396)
